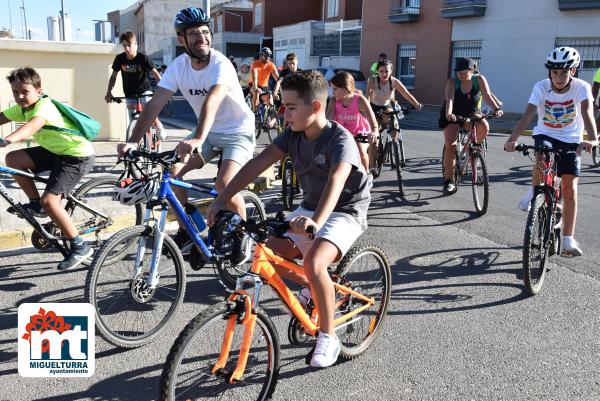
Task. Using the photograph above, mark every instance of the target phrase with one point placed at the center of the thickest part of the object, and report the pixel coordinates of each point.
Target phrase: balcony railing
(578, 4)
(400, 12)
(463, 8)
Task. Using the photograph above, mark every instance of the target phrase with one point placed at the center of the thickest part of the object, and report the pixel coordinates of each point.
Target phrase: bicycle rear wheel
(130, 313)
(187, 373)
(535, 249)
(255, 210)
(397, 164)
(366, 270)
(480, 183)
(98, 195)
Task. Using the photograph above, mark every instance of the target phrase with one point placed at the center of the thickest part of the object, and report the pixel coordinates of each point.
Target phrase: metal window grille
(405, 7)
(588, 48)
(462, 3)
(328, 44)
(406, 64)
(466, 48)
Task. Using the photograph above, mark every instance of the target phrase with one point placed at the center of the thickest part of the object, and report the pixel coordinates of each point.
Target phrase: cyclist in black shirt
(135, 68)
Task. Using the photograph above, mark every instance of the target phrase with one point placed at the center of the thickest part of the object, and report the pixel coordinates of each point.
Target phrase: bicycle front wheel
(187, 373)
(130, 312)
(480, 183)
(255, 210)
(366, 270)
(535, 249)
(98, 195)
(397, 163)
(596, 156)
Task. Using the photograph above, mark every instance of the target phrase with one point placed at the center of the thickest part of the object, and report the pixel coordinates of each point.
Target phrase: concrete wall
(431, 34)
(516, 38)
(76, 73)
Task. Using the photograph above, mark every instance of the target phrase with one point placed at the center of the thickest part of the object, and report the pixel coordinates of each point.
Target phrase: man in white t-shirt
(564, 107)
(208, 81)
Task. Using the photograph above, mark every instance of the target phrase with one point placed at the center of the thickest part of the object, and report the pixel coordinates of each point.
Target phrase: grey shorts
(238, 147)
(341, 229)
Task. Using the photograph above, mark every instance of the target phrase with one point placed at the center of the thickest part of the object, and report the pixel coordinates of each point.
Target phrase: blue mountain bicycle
(136, 296)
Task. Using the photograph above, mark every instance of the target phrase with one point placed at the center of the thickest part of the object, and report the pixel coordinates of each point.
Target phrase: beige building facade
(74, 73)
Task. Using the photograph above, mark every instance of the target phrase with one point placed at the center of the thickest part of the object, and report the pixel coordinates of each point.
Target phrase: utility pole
(25, 20)
(62, 20)
(10, 17)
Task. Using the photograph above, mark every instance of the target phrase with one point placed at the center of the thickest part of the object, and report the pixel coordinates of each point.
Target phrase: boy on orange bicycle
(564, 107)
(336, 195)
(66, 155)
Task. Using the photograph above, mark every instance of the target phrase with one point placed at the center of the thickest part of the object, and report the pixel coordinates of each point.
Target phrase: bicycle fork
(248, 305)
(159, 236)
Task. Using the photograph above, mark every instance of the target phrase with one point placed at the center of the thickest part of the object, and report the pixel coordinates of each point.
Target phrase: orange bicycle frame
(263, 264)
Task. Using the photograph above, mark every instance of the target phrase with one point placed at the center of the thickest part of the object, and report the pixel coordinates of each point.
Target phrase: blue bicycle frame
(167, 197)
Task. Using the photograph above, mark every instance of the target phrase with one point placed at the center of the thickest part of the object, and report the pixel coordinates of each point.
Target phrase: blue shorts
(568, 163)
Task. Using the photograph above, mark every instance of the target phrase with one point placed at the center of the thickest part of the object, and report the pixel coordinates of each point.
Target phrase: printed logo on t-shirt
(131, 68)
(559, 114)
(198, 92)
(320, 159)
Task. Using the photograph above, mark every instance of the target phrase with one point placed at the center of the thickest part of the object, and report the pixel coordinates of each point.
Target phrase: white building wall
(516, 37)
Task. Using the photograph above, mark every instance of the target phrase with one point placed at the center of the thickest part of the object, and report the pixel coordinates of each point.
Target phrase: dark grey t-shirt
(313, 161)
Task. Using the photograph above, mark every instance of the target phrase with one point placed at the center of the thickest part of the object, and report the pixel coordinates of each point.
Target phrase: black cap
(464, 64)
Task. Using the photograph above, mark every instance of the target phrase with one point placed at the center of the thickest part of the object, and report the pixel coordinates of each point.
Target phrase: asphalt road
(460, 325)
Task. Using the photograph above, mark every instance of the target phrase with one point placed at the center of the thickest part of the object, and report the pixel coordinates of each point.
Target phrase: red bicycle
(543, 228)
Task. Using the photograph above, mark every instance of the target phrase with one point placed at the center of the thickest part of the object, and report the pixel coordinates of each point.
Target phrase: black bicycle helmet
(190, 17)
(267, 51)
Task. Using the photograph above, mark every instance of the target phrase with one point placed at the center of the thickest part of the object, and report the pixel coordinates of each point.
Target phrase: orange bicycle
(231, 350)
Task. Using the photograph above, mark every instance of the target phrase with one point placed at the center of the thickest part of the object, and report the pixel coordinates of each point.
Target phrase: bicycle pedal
(309, 355)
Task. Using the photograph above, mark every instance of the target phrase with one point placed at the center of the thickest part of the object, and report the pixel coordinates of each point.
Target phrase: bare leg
(51, 204)
(179, 170)
(228, 170)
(20, 160)
(319, 257)
(569, 194)
(450, 137)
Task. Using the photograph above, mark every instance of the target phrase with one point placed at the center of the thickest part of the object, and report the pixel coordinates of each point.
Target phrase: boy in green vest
(66, 155)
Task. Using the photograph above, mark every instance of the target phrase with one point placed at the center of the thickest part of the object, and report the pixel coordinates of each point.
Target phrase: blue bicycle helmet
(190, 17)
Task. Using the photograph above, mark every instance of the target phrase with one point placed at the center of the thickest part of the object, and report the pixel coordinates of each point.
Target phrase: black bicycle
(92, 207)
(544, 222)
(265, 117)
(391, 146)
(470, 158)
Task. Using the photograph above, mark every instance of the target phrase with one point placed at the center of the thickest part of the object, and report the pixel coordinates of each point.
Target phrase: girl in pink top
(352, 111)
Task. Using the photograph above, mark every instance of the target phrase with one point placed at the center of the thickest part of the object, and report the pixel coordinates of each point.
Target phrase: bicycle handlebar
(119, 99)
(271, 227)
(403, 109)
(166, 159)
(474, 118)
(521, 147)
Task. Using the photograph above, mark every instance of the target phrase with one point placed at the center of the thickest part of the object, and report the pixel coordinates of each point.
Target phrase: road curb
(21, 238)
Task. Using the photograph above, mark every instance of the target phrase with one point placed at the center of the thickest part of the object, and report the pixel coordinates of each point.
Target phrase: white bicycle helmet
(130, 192)
(562, 58)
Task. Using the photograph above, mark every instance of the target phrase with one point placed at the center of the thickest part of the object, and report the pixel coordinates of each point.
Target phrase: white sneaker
(525, 202)
(571, 248)
(304, 295)
(326, 351)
